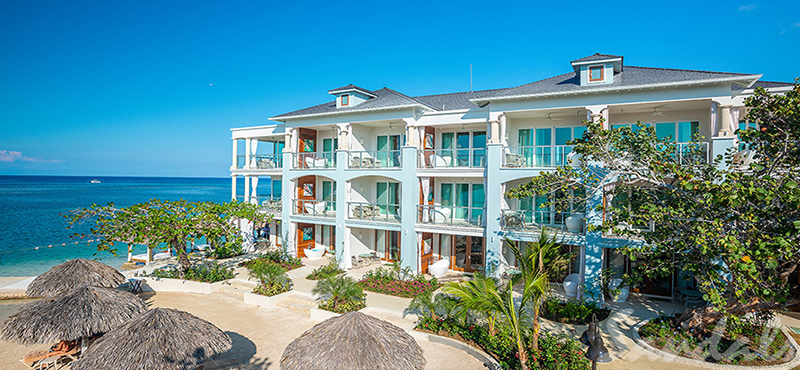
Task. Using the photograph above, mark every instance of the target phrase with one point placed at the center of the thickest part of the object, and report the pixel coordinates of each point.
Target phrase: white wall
(361, 241)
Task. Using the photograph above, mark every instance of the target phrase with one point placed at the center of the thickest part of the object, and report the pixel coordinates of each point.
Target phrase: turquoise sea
(34, 235)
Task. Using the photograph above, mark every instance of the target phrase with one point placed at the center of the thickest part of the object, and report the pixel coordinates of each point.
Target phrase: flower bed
(573, 311)
(555, 352)
(746, 343)
(325, 271)
(387, 282)
(206, 273)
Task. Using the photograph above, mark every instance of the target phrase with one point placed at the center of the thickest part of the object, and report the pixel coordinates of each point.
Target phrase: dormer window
(596, 74)
(345, 99)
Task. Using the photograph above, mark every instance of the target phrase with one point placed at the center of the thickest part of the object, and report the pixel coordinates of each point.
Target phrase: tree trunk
(523, 356)
(535, 334)
(183, 258)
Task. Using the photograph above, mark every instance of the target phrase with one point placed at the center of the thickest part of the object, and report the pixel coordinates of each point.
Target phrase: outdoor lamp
(588, 335)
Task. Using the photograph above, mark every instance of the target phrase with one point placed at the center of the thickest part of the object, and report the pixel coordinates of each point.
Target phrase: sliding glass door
(388, 198)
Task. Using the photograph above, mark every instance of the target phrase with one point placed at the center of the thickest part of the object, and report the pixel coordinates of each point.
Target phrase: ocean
(34, 235)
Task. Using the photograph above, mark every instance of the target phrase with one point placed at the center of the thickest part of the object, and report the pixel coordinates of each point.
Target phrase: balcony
(373, 212)
(451, 215)
(691, 153)
(374, 159)
(452, 158)
(315, 208)
(314, 160)
(536, 156)
(532, 221)
(271, 205)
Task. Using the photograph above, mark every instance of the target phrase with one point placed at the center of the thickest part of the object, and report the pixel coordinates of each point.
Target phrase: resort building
(422, 179)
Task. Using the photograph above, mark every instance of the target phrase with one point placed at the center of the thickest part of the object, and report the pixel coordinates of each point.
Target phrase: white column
(412, 137)
(287, 140)
(493, 127)
(344, 136)
(247, 153)
(503, 129)
(233, 187)
(725, 127)
(595, 112)
(235, 153)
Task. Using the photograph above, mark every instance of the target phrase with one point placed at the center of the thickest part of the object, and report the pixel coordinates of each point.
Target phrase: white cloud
(747, 8)
(12, 156)
(796, 25)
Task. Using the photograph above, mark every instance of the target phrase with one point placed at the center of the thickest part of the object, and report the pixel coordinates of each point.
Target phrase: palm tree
(544, 254)
(339, 289)
(424, 303)
(269, 273)
(484, 295)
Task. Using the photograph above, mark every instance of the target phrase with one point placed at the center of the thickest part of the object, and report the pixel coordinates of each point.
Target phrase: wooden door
(306, 143)
(426, 251)
(305, 238)
(305, 191)
(467, 253)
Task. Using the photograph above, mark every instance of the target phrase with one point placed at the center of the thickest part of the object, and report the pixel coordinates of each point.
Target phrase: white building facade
(420, 179)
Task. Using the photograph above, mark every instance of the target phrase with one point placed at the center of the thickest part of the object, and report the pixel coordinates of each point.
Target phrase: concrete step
(299, 303)
(242, 284)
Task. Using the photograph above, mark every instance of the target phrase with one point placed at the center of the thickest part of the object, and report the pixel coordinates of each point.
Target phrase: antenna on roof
(470, 78)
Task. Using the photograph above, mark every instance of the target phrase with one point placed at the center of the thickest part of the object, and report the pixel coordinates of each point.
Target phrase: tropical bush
(741, 342)
(206, 273)
(554, 352)
(272, 277)
(279, 256)
(573, 311)
(325, 271)
(225, 250)
(397, 282)
(340, 294)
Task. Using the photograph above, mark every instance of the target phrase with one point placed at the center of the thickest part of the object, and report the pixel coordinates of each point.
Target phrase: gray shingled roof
(385, 98)
(769, 84)
(631, 77)
(353, 87)
(596, 56)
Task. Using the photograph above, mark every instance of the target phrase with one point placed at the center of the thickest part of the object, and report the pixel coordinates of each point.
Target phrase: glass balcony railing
(530, 220)
(374, 159)
(536, 156)
(314, 160)
(267, 161)
(447, 158)
(451, 215)
(373, 211)
(241, 160)
(269, 204)
(316, 208)
(688, 153)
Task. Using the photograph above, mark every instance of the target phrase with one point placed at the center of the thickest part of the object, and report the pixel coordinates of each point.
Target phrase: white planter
(574, 223)
(622, 296)
(571, 285)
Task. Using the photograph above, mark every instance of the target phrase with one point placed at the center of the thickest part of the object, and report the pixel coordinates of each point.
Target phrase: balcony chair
(314, 208)
(312, 162)
(513, 221)
(514, 160)
(439, 161)
(265, 163)
(442, 215)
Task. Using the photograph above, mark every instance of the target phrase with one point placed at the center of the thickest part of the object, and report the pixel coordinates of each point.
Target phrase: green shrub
(340, 294)
(325, 271)
(573, 311)
(206, 273)
(555, 352)
(272, 277)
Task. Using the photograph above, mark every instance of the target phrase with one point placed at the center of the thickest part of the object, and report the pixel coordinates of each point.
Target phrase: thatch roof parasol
(161, 339)
(82, 312)
(73, 274)
(353, 341)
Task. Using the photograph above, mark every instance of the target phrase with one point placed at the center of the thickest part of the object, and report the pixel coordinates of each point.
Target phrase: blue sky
(152, 88)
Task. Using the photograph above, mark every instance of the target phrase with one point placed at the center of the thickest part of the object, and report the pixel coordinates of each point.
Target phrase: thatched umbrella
(353, 341)
(79, 313)
(161, 339)
(72, 274)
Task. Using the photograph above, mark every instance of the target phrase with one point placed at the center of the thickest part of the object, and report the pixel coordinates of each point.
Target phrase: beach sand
(259, 335)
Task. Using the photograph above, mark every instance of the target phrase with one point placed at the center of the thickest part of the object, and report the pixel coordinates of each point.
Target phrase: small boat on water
(95, 181)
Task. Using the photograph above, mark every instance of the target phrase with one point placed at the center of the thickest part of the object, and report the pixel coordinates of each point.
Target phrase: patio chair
(357, 262)
(355, 162)
(51, 357)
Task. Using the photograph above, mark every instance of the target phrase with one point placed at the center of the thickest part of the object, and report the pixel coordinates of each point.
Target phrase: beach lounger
(64, 349)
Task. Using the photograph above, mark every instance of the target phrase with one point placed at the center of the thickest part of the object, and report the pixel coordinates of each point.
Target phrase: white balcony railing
(316, 208)
(447, 158)
(374, 159)
(451, 215)
(314, 160)
(373, 211)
